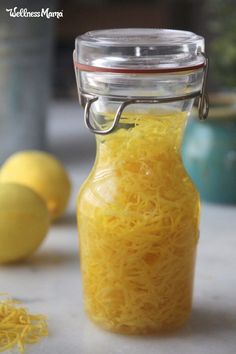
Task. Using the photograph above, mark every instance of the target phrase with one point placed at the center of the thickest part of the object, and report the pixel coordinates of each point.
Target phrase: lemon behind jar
(44, 174)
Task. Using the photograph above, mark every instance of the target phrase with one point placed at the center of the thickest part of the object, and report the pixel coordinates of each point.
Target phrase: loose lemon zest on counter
(18, 327)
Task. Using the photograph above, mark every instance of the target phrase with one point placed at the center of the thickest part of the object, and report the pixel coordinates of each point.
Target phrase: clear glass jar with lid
(138, 211)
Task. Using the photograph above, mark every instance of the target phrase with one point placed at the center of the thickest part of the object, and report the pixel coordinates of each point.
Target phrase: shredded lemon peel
(18, 327)
(138, 216)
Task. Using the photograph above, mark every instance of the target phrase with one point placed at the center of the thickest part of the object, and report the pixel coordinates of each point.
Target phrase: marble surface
(50, 281)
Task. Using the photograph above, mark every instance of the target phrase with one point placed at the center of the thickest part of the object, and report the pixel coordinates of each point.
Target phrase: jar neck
(141, 138)
(140, 85)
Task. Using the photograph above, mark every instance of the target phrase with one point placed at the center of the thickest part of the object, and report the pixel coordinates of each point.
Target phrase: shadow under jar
(138, 211)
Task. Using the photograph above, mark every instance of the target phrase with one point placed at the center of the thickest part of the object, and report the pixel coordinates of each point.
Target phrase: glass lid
(139, 50)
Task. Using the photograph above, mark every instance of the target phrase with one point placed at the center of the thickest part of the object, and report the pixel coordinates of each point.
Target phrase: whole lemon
(24, 222)
(44, 174)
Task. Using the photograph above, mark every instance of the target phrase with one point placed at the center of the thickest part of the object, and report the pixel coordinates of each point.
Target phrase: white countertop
(50, 281)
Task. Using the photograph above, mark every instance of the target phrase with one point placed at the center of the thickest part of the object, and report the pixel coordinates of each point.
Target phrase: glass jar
(138, 211)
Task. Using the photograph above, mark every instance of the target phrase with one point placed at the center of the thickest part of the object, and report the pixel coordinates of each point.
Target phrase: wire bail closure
(86, 100)
(203, 102)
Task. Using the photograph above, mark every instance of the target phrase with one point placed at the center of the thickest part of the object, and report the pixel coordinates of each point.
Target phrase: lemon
(44, 174)
(24, 222)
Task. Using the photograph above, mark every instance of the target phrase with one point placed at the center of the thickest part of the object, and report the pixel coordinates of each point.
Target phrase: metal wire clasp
(203, 102)
(87, 100)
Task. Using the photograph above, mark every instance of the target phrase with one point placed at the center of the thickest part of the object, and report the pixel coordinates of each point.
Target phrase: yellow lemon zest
(138, 216)
(18, 327)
